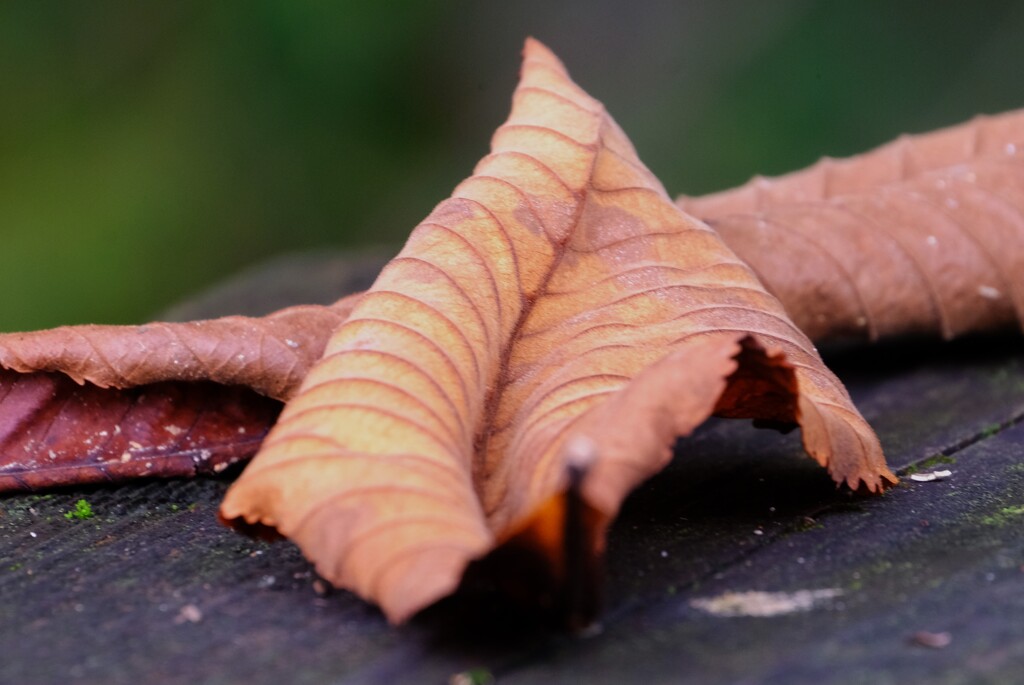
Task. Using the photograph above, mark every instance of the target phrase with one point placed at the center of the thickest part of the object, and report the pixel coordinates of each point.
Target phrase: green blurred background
(150, 149)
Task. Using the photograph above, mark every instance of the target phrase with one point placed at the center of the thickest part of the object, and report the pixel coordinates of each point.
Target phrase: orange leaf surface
(925, 234)
(551, 327)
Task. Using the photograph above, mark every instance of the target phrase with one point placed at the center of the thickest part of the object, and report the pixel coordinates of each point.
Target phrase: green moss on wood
(1004, 516)
(82, 511)
(930, 463)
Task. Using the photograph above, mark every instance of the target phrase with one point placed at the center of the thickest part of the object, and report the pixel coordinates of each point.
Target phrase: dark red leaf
(56, 432)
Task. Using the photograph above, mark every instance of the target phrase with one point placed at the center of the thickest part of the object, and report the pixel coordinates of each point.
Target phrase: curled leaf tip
(579, 454)
(533, 49)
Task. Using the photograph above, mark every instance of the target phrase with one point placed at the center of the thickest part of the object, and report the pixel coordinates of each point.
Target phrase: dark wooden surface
(152, 589)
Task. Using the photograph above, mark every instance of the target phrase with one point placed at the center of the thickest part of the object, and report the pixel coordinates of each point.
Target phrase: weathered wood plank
(104, 599)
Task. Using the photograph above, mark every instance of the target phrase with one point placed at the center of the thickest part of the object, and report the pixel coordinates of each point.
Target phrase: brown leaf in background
(558, 314)
(925, 234)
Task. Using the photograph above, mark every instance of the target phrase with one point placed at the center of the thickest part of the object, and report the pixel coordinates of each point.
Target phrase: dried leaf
(557, 315)
(925, 234)
(154, 400)
(54, 432)
(271, 354)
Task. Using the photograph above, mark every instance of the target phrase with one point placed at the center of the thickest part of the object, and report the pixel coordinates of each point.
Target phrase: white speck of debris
(149, 464)
(932, 241)
(925, 638)
(291, 343)
(801, 560)
(32, 534)
(930, 476)
(117, 429)
(135, 445)
(267, 581)
(988, 292)
(1010, 149)
(174, 430)
(126, 457)
(189, 613)
(241, 430)
(758, 531)
(240, 357)
(862, 321)
(104, 434)
(764, 604)
(664, 554)
(53, 455)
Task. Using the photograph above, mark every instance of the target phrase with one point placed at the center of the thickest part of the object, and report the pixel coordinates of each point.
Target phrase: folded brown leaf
(923, 235)
(270, 354)
(163, 399)
(557, 315)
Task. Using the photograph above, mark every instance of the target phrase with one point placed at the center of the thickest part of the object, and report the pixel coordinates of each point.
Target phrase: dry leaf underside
(55, 432)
